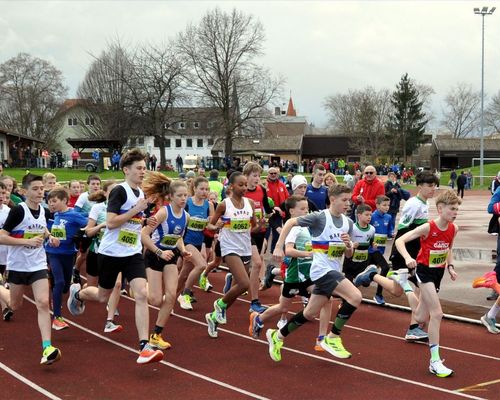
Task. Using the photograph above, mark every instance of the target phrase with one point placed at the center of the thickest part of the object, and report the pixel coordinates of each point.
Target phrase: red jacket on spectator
(369, 190)
(277, 191)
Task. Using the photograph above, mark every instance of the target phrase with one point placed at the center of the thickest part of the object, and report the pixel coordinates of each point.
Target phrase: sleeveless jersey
(327, 247)
(124, 240)
(97, 213)
(298, 269)
(434, 249)
(198, 221)
(257, 196)
(235, 237)
(169, 231)
(363, 236)
(27, 258)
(4, 212)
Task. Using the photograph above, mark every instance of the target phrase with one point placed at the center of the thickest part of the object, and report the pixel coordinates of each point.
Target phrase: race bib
(128, 238)
(58, 232)
(239, 225)
(258, 213)
(308, 246)
(32, 234)
(380, 239)
(169, 240)
(335, 250)
(197, 224)
(360, 255)
(437, 258)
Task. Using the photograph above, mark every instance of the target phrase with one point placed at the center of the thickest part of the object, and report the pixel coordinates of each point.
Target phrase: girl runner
(164, 245)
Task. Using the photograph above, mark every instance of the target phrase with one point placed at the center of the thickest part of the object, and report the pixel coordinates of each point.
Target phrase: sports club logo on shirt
(441, 245)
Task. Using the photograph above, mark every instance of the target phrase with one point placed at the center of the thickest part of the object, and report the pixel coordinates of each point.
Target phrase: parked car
(191, 162)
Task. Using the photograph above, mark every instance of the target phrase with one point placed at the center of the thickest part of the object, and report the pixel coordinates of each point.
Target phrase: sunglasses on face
(369, 173)
(273, 173)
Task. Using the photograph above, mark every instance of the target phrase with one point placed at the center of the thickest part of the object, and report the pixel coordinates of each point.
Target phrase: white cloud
(322, 48)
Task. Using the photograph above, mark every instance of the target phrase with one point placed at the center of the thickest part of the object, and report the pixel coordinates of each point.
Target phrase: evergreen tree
(407, 122)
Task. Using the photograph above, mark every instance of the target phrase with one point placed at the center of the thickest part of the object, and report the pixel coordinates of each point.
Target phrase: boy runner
(120, 250)
(330, 233)
(415, 213)
(435, 255)
(25, 230)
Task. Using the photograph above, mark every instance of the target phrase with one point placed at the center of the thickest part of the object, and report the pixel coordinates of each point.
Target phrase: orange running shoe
(149, 355)
(488, 280)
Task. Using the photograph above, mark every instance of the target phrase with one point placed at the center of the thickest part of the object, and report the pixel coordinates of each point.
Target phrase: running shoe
(228, 281)
(486, 281)
(400, 276)
(212, 326)
(275, 344)
(268, 277)
(317, 346)
(490, 324)
(220, 313)
(76, 276)
(363, 278)
(437, 368)
(493, 295)
(281, 323)
(255, 306)
(255, 328)
(7, 314)
(204, 283)
(50, 355)
(157, 341)
(416, 335)
(59, 324)
(185, 301)
(75, 306)
(379, 299)
(111, 327)
(149, 355)
(335, 347)
(192, 298)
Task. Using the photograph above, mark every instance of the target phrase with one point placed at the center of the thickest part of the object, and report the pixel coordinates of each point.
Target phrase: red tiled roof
(290, 112)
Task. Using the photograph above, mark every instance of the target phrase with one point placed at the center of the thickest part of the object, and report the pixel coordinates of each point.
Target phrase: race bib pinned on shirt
(58, 231)
(335, 250)
(128, 238)
(380, 239)
(437, 258)
(239, 225)
(360, 255)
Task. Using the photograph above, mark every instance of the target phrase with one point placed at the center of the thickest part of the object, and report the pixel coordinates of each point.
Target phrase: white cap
(298, 180)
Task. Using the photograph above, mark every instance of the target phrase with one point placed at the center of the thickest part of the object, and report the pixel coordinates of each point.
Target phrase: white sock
(493, 311)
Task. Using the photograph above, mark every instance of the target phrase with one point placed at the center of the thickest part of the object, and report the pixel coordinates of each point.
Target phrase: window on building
(199, 142)
(182, 125)
(132, 142)
(210, 142)
(157, 142)
(189, 143)
(196, 125)
(140, 140)
(178, 143)
(72, 121)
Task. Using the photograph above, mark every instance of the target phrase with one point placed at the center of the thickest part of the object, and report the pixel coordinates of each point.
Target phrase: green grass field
(65, 174)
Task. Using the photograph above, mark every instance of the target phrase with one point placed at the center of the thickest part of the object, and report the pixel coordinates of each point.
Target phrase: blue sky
(321, 47)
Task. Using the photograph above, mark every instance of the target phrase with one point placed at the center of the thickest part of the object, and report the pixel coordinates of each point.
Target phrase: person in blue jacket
(67, 223)
(381, 221)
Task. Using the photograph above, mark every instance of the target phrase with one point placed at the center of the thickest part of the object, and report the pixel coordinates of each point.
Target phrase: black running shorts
(109, 267)
(325, 285)
(26, 278)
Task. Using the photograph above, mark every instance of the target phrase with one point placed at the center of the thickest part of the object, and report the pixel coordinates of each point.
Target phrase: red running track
(100, 366)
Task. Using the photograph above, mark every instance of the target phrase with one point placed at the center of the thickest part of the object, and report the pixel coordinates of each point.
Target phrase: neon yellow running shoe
(335, 347)
(157, 341)
(275, 344)
(50, 355)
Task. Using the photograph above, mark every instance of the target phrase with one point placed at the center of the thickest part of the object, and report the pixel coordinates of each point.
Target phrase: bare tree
(220, 52)
(363, 116)
(462, 112)
(134, 91)
(492, 114)
(108, 95)
(31, 92)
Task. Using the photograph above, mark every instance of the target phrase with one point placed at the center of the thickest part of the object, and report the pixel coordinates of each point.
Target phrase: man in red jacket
(277, 191)
(368, 188)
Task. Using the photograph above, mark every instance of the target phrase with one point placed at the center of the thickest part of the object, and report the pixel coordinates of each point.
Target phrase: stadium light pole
(482, 12)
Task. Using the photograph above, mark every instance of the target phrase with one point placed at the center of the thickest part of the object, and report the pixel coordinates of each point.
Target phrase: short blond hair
(448, 198)
(251, 167)
(47, 176)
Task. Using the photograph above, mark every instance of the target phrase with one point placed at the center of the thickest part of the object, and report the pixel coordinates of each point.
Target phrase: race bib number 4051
(128, 238)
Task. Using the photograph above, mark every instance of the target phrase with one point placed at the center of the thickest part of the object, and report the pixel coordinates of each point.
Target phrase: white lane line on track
(178, 368)
(369, 371)
(389, 335)
(29, 383)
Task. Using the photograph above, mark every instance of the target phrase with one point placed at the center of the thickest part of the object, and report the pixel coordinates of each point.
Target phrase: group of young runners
(151, 232)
